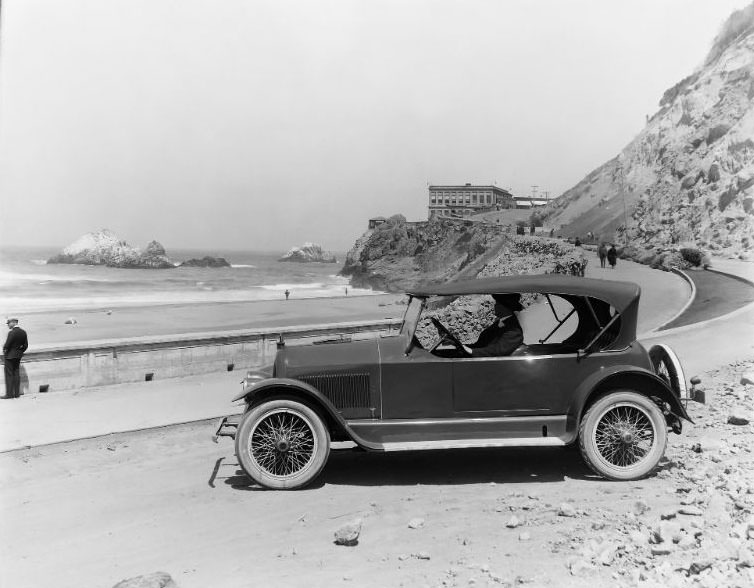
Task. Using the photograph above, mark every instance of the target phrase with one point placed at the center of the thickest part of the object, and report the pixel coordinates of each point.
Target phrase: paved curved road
(717, 294)
(720, 341)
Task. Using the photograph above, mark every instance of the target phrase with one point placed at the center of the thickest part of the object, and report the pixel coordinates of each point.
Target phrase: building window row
(480, 199)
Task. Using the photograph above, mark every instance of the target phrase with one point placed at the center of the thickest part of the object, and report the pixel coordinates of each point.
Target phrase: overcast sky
(248, 124)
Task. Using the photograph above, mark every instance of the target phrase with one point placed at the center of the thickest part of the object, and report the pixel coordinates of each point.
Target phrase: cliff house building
(464, 201)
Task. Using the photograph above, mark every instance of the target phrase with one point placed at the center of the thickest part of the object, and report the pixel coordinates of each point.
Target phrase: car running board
(473, 443)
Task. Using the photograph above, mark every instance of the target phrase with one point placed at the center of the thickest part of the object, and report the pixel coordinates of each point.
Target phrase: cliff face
(398, 255)
(688, 178)
(105, 248)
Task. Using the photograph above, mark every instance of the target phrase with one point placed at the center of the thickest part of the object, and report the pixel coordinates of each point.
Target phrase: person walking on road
(602, 252)
(612, 256)
(15, 345)
(287, 293)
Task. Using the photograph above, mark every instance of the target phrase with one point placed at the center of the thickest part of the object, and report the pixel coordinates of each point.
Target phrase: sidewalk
(41, 419)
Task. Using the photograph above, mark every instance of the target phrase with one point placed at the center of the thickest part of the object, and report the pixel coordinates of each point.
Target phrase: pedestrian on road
(15, 345)
(287, 293)
(612, 256)
(602, 252)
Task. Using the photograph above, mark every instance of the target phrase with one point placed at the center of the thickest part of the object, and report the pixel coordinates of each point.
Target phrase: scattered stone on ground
(349, 533)
(709, 535)
(739, 416)
(155, 580)
(415, 523)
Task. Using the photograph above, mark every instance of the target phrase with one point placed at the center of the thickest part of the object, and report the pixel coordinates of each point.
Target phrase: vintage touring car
(586, 381)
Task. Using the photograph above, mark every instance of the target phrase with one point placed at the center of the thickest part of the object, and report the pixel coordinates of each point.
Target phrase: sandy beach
(50, 328)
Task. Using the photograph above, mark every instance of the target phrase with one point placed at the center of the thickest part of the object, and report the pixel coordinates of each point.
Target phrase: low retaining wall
(102, 363)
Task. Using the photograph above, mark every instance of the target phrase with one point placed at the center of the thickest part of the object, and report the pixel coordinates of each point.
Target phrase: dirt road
(90, 513)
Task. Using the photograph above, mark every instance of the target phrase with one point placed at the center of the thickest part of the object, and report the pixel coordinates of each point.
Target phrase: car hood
(330, 357)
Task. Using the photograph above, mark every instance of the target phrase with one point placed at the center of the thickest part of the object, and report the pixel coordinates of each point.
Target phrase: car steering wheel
(445, 335)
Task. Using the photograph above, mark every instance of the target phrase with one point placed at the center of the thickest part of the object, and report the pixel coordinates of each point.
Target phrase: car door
(514, 385)
(414, 386)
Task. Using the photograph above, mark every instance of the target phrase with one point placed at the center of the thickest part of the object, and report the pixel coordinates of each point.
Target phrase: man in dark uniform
(13, 350)
(503, 336)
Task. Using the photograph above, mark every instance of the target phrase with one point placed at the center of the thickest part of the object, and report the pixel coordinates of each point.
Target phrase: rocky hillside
(687, 179)
(398, 254)
(103, 247)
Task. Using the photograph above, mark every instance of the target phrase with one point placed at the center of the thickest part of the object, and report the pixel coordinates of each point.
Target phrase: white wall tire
(282, 444)
(623, 436)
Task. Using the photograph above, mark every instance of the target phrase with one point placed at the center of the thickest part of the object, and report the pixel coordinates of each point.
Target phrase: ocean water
(29, 284)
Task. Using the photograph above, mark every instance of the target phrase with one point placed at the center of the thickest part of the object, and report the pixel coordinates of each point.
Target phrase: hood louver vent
(343, 390)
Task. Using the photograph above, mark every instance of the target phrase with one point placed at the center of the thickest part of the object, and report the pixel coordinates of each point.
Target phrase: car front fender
(267, 387)
(255, 385)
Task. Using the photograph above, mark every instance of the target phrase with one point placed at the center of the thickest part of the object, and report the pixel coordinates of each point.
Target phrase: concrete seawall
(102, 363)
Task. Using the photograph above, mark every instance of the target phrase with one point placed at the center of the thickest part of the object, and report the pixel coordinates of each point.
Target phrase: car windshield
(413, 311)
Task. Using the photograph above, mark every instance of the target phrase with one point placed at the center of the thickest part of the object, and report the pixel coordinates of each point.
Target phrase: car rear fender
(260, 390)
(631, 378)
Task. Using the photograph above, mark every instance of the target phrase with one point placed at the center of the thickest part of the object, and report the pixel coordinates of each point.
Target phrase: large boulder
(206, 261)
(104, 247)
(310, 252)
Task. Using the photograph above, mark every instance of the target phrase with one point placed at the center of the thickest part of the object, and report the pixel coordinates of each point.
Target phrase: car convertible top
(620, 295)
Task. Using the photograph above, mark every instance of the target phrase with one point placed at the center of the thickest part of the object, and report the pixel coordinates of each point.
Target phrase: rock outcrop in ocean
(687, 179)
(103, 247)
(310, 252)
(206, 261)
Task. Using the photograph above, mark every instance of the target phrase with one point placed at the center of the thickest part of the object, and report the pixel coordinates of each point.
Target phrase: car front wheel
(282, 444)
(623, 436)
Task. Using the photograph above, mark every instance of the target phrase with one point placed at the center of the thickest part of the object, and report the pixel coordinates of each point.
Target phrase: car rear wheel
(282, 444)
(623, 436)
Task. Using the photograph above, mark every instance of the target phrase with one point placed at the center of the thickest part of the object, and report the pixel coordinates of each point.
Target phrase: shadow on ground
(449, 467)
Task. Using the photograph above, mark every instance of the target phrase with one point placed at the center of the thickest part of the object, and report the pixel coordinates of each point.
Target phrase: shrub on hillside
(692, 256)
(571, 265)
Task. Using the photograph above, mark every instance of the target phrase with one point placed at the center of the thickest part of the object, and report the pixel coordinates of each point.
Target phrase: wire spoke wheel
(623, 435)
(282, 444)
